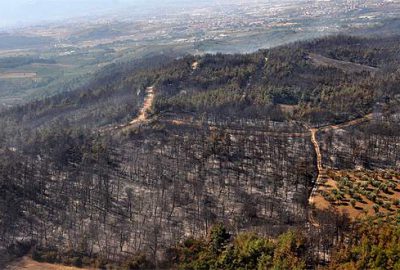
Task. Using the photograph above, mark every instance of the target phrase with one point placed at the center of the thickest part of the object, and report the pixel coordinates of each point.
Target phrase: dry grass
(29, 264)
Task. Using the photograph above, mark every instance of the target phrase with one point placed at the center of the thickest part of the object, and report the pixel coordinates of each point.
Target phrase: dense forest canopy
(224, 86)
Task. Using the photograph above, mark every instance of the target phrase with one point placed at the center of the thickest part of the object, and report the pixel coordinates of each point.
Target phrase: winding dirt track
(312, 133)
(148, 102)
(142, 118)
(320, 168)
(199, 124)
(346, 66)
(354, 122)
(317, 149)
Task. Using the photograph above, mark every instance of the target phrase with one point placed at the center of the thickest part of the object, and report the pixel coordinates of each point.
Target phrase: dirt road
(320, 168)
(346, 66)
(317, 149)
(148, 102)
(200, 124)
(141, 117)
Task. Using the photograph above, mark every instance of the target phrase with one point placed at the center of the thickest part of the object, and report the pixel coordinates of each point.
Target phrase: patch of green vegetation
(245, 251)
(375, 244)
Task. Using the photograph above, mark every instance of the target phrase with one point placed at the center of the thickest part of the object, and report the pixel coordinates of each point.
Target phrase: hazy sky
(16, 12)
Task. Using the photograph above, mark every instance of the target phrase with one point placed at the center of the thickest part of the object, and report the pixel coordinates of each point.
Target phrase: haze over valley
(72, 50)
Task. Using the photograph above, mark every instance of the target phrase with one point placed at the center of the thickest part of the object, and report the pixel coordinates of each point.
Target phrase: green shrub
(248, 251)
(375, 183)
(371, 196)
(384, 188)
(353, 203)
(387, 205)
(218, 237)
(138, 262)
(396, 202)
(100, 263)
(357, 197)
(46, 255)
(76, 261)
(392, 185)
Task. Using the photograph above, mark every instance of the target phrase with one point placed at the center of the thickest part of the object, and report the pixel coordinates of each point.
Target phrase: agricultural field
(361, 192)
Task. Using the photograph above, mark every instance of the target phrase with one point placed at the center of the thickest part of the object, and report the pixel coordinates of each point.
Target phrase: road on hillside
(317, 149)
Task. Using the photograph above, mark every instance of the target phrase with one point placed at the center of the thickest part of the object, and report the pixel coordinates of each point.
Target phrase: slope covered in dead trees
(227, 141)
